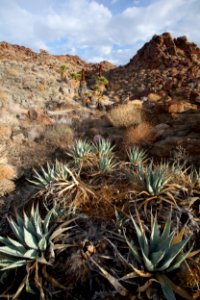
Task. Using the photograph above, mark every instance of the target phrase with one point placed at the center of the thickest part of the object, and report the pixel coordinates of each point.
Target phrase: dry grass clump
(125, 115)
(5, 133)
(6, 186)
(7, 174)
(141, 133)
(7, 171)
(60, 136)
(41, 87)
(12, 71)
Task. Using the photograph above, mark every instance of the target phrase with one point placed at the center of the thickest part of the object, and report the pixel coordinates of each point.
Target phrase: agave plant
(56, 172)
(153, 179)
(36, 241)
(136, 156)
(104, 147)
(80, 150)
(159, 253)
(33, 236)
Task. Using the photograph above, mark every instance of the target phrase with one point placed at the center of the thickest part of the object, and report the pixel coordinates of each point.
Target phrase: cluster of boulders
(170, 67)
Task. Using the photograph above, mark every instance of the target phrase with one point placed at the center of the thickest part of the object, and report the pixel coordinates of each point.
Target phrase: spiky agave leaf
(45, 177)
(55, 172)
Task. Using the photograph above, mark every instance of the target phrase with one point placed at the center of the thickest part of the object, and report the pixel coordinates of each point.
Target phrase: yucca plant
(102, 80)
(55, 172)
(63, 70)
(103, 147)
(80, 150)
(136, 156)
(159, 253)
(74, 75)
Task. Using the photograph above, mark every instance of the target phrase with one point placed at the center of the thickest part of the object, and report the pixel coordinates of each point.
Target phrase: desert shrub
(60, 136)
(6, 186)
(5, 133)
(41, 87)
(3, 155)
(125, 115)
(12, 71)
(138, 134)
(7, 173)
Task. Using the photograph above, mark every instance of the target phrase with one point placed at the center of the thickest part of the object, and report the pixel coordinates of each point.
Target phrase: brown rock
(154, 97)
(32, 114)
(180, 106)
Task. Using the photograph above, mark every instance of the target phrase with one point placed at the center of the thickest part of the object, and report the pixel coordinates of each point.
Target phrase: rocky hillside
(167, 66)
(40, 93)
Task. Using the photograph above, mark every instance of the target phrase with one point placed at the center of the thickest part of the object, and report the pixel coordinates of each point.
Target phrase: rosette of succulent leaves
(33, 245)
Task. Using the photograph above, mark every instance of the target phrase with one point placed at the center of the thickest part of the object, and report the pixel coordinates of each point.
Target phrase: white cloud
(89, 28)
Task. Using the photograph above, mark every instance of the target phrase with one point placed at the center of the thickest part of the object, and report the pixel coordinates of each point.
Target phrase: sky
(96, 30)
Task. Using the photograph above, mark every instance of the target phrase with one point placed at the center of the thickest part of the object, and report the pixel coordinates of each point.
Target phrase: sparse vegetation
(104, 204)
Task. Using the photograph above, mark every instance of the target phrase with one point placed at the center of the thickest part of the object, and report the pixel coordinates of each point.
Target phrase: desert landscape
(100, 174)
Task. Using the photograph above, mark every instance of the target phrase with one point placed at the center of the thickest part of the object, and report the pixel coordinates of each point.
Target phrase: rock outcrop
(166, 66)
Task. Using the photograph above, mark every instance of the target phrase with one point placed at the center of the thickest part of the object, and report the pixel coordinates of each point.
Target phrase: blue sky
(96, 29)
